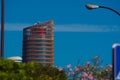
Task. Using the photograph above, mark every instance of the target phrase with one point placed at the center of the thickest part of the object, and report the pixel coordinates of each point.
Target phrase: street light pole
(2, 29)
(92, 6)
(115, 47)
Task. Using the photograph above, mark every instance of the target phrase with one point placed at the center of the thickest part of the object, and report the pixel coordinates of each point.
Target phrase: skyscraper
(38, 43)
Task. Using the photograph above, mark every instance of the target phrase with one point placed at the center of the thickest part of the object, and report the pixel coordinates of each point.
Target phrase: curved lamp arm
(92, 6)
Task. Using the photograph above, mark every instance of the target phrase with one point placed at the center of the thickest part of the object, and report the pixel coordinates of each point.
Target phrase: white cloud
(68, 28)
(15, 27)
(86, 28)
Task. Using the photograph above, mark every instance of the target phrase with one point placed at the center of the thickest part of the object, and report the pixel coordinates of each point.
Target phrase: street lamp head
(91, 6)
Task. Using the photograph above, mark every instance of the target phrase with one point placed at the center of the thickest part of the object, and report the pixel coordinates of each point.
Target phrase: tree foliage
(10, 70)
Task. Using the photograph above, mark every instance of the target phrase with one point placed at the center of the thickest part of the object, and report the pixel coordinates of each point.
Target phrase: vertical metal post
(2, 29)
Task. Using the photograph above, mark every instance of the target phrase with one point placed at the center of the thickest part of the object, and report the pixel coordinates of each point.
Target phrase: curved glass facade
(38, 43)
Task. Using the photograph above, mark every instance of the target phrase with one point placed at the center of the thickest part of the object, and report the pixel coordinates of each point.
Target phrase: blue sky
(63, 12)
(79, 33)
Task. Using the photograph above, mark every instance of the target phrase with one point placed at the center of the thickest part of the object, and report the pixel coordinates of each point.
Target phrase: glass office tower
(38, 43)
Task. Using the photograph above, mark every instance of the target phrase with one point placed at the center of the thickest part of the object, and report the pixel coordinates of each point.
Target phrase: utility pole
(2, 29)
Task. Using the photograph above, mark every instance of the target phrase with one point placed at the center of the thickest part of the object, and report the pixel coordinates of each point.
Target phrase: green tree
(10, 70)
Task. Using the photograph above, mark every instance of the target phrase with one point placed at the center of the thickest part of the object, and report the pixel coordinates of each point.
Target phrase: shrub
(10, 70)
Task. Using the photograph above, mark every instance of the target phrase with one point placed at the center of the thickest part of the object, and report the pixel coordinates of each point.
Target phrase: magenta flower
(60, 69)
(96, 57)
(88, 62)
(84, 74)
(90, 77)
(95, 79)
(110, 66)
(69, 66)
(72, 73)
(90, 73)
(76, 68)
(70, 69)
